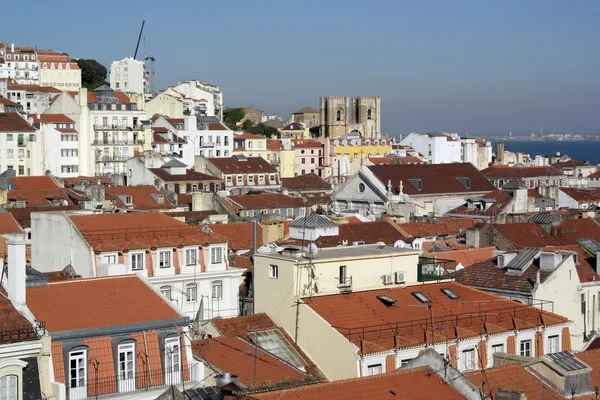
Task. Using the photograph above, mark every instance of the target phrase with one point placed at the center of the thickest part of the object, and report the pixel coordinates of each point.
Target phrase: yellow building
(296, 130)
(357, 148)
(56, 70)
(272, 150)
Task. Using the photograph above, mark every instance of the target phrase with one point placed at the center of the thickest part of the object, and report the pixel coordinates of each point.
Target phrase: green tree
(264, 130)
(93, 74)
(232, 116)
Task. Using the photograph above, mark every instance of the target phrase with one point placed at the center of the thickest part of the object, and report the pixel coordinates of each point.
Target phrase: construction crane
(152, 59)
(138, 42)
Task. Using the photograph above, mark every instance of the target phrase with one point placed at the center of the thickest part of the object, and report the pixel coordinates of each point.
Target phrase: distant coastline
(580, 150)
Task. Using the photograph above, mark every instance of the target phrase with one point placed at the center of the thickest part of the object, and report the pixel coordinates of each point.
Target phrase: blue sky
(457, 66)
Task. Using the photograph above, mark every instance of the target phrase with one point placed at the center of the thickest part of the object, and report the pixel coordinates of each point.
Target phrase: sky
(478, 67)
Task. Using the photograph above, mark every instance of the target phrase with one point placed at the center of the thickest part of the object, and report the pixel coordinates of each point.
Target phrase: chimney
(537, 278)
(16, 272)
(500, 153)
(12, 47)
(550, 260)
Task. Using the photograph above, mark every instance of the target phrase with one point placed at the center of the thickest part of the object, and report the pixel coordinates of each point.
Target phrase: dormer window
(466, 182)
(500, 261)
(16, 57)
(45, 65)
(417, 184)
(68, 66)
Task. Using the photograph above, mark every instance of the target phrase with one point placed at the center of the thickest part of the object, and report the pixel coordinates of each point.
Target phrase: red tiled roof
(274, 145)
(594, 174)
(582, 196)
(435, 178)
(305, 182)
(91, 97)
(190, 176)
(572, 229)
(264, 200)
(534, 194)
(13, 320)
(253, 366)
(122, 97)
(306, 143)
(409, 160)
(8, 223)
(141, 197)
(368, 232)
(294, 126)
(232, 165)
(465, 257)
(40, 197)
(306, 110)
(217, 126)
(238, 235)
(526, 234)
(34, 182)
(118, 300)
(139, 230)
(380, 160)
(415, 384)
(586, 265)
(13, 122)
(500, 199)
(247, 135)
(23, 215)
(569, 164)
(505, 171)
(157, 138)
(34, 88)
(423, 229)
(51, 118)
(8, 102)
(461, 223)
(350, 313)
(104, 180)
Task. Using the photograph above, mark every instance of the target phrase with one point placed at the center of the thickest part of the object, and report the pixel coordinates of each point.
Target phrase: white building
(186, 265)
(35, 99)
(129, 75)
(58, 145)
(438, 148)
(19, 63)
(199, 98)
(18, 146)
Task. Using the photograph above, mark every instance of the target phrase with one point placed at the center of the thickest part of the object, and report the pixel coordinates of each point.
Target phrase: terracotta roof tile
(144, 197)
(58, 364)
(306, 143)
(305, 182)
(423, 229)
(500, 199)
(232, 165)
(40, 197)
(12, 320)
(51, 118)
(8, 102)
(254, 367)
(139, 230)
(380, 160)
(582, 196)
(34, 182)
(264, 200)
(8, 224)
(126, 299)
(368, 232)
(240, 326)
(507, 172)
(34, 88)
(246, 135)
(362, 316)
(534, 194)
(405, 384)
(217, 126)
(122, 97)
(306, 110)
(92, 180)
(465, 257)
(238, 235)
(23, 215)
(430, 175)
(569, 164)
(526, 234)
(461, 223)
(13, 122)
(572, 229)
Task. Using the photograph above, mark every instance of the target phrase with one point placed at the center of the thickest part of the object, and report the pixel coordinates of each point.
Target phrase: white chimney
(12, 47)
(16, 272)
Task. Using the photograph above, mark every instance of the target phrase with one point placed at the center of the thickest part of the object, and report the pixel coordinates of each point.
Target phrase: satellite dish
(336, 142)
(313, 250)
(558, 154)
(263, 249)
(344, 142)
(383, 141)
(380, 243)
(367, 142)
(354, 142)
(400, 243)
(376, 141)
(405, 197)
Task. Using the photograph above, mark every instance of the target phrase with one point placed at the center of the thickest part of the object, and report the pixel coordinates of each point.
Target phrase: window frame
(274, 271)
(82, 355)
(7, 386)
(193, 259)
(134, 266)
(164, 290)
(468, 365)
(219, 286)
(129, 379)
(216, 251)
(372, 368)
(528, 342)
(549, 340)
(164, 263)
(191, 292)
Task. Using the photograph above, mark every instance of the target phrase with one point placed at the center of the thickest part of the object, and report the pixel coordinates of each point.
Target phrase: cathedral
(342, 114)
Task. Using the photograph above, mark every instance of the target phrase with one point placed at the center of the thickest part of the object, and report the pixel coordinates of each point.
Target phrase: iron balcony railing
(117, 142)
(433, 269)
(20, 333)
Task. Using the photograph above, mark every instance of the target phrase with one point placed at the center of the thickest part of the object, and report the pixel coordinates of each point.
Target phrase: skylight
(450, 293)
(417, 183)
(465, 181)
(421, 297)
(272, 341)
(388, 301)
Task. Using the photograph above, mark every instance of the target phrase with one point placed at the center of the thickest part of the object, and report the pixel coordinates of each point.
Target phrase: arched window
(166, 291)
(191, 292)
(369, 114)
(217, 290)
(9, 387)
(339, 115)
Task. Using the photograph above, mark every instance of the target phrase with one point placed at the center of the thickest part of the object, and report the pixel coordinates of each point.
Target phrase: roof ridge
(96, 278)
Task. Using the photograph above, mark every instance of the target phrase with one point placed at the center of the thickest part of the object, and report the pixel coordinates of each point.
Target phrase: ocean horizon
(577, 150)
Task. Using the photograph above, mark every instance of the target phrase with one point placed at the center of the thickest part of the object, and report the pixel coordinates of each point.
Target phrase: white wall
(566, 201)
(128, 75)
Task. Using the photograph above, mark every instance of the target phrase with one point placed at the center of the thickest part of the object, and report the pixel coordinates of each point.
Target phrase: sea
(577, 150)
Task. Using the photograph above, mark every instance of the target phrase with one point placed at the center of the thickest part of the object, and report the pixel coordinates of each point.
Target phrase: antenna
(138, 41)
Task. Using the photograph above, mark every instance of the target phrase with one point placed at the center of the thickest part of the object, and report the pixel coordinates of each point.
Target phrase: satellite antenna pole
(138, 41)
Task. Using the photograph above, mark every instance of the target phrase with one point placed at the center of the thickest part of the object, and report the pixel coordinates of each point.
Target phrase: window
(137, 261)
(302, 160)
(498, 348)
(78, 374)
(190, 257)
(374, 369)
(228, 179)
(251, 179)
(109, 259)
(369, 114)
(172, 360)
(9, 387)
(406, 361)
(361, 187)
(9, 153)
(552, 344)
(450, 294)
(166, 291)
(339, 115)
(191, 292)
(239, 180)
(126, 372)
(271, 178)
(21, 170)
(421, 297)
(216, 256)
(342, 275)
(217, 290)
(525, 348)
(274, 271)
(468, 359)
(164, 259)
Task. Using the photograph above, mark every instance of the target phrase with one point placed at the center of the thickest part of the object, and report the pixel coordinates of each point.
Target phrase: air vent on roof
(388, 301)
(450, 293)
(421, 297)
(466, 182)
(417, 183)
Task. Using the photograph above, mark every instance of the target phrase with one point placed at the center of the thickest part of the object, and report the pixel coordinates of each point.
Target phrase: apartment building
(18, 146)
(198, 98)
(58, 71)
(35, 99)
(188, 266)
(59, 144)
(19, 63)
(129, 75)
(532, 176)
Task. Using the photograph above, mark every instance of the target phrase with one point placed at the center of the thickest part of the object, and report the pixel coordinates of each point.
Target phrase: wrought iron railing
(19, 333)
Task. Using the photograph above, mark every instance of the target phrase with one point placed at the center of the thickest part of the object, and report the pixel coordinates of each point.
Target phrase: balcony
(115, 158)
(345, 285)
(117, 142)
(116, 127)
(206, 145)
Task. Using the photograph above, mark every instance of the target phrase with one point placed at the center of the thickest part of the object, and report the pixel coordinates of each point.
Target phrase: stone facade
(342, 114)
